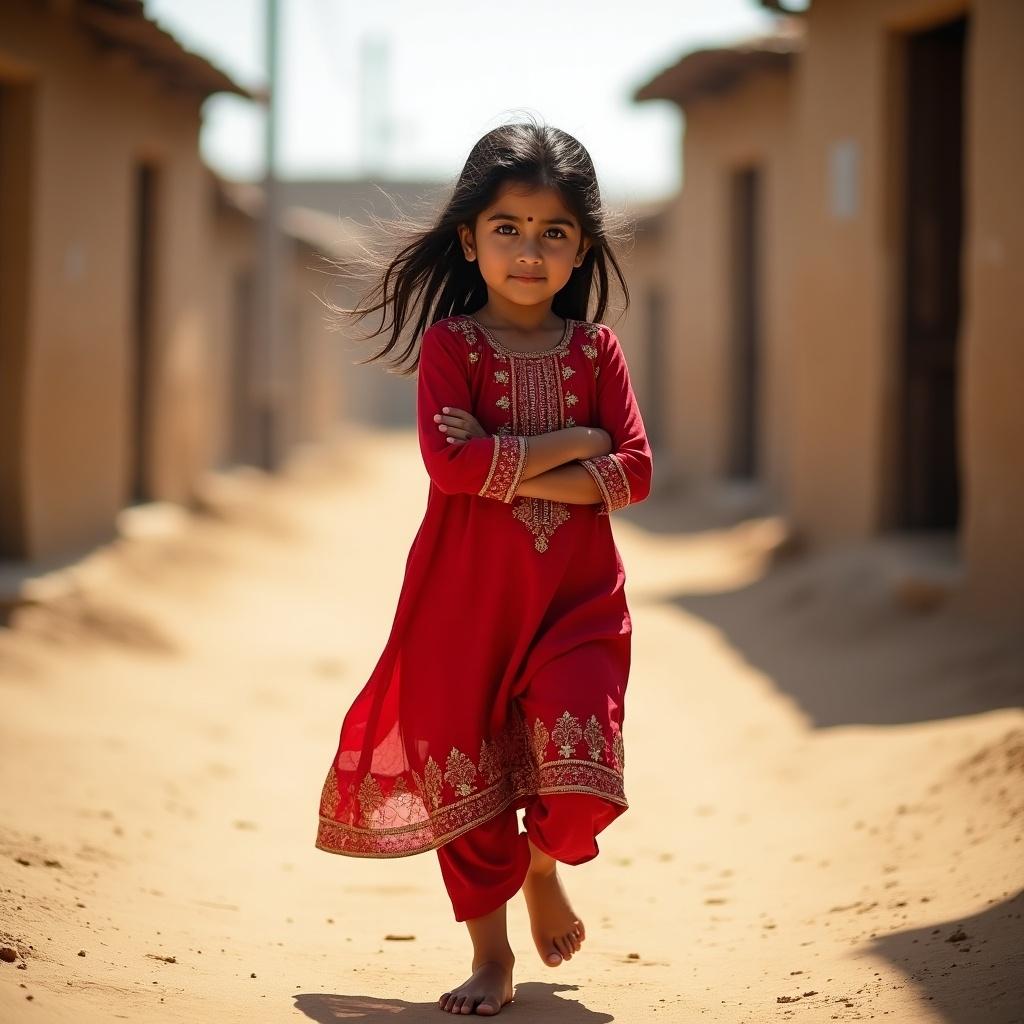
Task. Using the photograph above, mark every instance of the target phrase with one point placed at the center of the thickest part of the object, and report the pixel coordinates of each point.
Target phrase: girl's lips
(517, 277)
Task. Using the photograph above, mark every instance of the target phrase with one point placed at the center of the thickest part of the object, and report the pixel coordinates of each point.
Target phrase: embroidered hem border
(507, 465)
(451, 821)
(611, 481)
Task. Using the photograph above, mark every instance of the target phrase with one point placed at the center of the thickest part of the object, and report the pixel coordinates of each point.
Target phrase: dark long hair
(429, 277)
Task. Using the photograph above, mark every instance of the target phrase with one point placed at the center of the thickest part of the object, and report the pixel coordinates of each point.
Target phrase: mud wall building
(104, 228)
(128, 348)
(846, 326)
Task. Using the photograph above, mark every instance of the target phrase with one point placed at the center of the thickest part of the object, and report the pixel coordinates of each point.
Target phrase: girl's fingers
(458, 425)
(451, 421)
(455, 417)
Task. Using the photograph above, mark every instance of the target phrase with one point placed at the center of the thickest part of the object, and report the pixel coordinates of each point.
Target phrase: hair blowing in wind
(429, 278)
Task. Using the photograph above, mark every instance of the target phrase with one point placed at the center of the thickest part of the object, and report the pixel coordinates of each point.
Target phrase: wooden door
(932, 298)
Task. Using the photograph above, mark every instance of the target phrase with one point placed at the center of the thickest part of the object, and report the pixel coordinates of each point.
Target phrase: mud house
(105, 230)
(641, 331)
(726, 237)
(845, 327)
(310, 368)
(127, 343)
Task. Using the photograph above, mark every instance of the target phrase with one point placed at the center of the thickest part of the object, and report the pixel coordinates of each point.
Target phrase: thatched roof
(122, 24)
(711, 72)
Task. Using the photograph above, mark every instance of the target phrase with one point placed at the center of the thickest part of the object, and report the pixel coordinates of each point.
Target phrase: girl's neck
(499, 313)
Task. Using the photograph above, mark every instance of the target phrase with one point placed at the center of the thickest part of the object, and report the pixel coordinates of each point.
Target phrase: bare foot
(485, 992)
(557, 931)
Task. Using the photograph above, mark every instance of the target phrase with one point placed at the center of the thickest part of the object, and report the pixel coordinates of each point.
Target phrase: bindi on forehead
(529, 219)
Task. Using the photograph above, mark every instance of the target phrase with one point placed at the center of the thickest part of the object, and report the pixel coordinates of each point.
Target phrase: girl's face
(527, 243)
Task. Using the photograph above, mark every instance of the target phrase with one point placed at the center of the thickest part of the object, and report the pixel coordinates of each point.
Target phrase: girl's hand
(458, 424)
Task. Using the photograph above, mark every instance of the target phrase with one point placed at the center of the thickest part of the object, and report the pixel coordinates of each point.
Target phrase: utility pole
(375, 121)
(269, 383)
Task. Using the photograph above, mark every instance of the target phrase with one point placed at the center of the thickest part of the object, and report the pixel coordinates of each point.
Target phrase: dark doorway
(241, 370)
(742, 456)
(929, 486)
(146, 181)
(16, 113)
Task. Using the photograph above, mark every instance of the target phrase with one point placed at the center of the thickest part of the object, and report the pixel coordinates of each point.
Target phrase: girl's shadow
(534, 1001)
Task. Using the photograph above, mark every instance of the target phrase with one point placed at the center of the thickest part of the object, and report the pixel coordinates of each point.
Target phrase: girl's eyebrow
(509, 216)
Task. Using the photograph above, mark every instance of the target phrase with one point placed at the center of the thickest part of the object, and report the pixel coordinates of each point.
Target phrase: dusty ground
(827, 788)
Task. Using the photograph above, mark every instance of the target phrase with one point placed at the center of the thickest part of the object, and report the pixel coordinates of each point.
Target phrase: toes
(553, 958)
(581, 930)
(571, 938)
(488, 1007)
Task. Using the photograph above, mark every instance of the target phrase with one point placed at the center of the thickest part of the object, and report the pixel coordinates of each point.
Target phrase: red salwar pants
(486, 866)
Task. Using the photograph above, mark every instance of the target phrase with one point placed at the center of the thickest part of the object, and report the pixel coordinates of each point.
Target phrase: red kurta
(496, 588)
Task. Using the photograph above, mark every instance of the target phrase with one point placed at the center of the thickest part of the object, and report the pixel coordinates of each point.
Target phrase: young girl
(501, 686)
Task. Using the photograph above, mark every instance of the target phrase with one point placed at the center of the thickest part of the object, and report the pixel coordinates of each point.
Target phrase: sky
(402, 89)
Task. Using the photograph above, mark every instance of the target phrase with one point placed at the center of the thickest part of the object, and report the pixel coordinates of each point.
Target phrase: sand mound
(996, 769)
(76, 619)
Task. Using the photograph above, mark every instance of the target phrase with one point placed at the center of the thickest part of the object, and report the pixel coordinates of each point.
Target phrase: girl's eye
(559, 233)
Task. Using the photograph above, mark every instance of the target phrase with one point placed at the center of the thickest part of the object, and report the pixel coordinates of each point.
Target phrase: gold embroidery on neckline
(560, 349)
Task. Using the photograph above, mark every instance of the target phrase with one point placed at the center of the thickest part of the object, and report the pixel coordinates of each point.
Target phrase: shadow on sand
(831, 633)
(964, 968)
(534, 1001)
(849, 630)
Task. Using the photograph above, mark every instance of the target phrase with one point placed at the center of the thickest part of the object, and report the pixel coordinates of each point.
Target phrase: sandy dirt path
(826, 788)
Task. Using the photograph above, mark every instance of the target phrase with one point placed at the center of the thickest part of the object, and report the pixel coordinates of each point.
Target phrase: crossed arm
(552, 467)
(570, 483)
(608, 465)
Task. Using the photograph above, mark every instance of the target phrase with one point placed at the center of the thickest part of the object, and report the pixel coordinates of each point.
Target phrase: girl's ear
(581, 254)
(468, 242)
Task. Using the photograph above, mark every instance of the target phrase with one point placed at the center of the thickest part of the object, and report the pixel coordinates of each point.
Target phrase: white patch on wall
(844, 179)
(74, 262)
